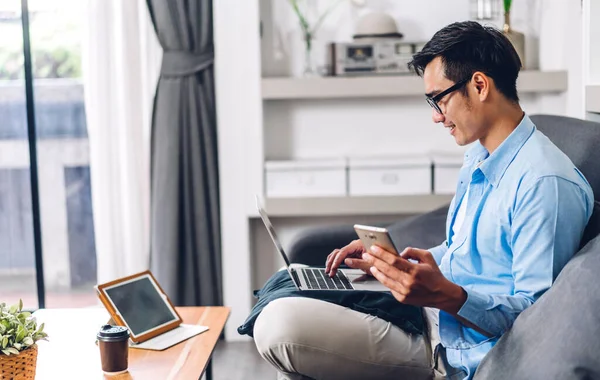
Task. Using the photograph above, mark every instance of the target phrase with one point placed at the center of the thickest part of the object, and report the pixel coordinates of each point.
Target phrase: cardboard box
(405, 175)
(446, 168)
(305, 178)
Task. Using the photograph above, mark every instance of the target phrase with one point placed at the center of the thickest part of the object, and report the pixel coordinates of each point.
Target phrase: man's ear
(482, 84)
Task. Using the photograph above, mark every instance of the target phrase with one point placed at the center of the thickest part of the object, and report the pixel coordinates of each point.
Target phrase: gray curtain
(185, 235)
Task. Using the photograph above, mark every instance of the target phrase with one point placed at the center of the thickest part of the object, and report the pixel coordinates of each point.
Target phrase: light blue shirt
(526, 211)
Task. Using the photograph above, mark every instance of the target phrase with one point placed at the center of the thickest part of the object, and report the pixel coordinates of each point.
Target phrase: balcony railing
(64, 183)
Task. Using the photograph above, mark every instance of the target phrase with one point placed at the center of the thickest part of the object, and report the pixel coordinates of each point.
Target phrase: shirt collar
(496, 164)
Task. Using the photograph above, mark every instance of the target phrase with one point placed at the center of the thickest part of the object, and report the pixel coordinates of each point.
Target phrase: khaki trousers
(305, 338)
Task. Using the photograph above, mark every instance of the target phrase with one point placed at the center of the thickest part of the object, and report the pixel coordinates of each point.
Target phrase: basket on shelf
(19, 367)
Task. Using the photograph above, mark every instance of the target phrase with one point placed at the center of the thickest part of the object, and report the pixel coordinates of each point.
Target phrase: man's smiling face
(458, 111)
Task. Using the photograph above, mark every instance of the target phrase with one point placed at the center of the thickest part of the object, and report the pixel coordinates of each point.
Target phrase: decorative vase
(19, 367)
(516, 38)
(309, 69)
(310, 20)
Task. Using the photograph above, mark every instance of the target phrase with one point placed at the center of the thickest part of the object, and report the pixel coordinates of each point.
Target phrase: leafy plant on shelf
(507, 4)
(18, 329)
(307, 30)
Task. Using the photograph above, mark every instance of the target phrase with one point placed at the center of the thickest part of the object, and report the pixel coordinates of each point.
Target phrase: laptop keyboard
(318, 279)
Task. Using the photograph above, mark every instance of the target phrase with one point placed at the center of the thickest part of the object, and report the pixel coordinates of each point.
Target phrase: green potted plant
(18, 336)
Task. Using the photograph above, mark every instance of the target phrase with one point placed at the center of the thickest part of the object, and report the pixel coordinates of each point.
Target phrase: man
(517, 217)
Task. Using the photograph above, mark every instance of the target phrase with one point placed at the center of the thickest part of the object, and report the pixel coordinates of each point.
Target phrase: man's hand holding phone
(418, 282)
(413, 276)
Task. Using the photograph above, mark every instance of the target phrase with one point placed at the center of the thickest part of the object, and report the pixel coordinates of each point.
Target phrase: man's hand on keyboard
(351, 255)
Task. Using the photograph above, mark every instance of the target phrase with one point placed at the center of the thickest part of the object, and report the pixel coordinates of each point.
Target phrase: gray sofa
(559, 336)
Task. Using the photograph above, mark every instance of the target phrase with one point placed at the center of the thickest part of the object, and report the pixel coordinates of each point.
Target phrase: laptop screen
(141, 305)
(271, 230)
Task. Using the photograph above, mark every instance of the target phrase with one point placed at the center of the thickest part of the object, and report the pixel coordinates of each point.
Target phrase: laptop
(315, 278)
(139, 303)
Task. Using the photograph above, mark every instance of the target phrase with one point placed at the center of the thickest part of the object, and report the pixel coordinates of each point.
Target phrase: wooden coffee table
(71, 352)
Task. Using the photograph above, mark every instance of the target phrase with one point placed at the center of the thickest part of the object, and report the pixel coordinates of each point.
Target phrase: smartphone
(378, 236)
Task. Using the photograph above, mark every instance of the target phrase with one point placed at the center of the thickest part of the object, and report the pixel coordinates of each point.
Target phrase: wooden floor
(240, 360)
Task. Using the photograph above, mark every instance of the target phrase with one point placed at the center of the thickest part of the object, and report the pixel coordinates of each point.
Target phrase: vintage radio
(387, 56)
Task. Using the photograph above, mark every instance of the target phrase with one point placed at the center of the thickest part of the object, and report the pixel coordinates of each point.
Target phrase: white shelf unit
(388, 86)
(592, 99)
(344, 206)
(291, 89)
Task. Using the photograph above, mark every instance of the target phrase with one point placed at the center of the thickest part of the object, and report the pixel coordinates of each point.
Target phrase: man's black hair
(467, 47)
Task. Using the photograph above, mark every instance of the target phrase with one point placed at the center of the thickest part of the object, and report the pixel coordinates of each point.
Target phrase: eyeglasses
(433, 100)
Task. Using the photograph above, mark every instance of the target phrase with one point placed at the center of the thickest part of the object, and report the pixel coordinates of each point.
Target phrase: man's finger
(421, 255)
(358, 264)
(392, 271)
(330, 260)
(391, 259)
(337, 261)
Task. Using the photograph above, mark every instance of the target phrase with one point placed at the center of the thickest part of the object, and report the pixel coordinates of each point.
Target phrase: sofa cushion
(557, 337)
(421, 231)
(579, 140)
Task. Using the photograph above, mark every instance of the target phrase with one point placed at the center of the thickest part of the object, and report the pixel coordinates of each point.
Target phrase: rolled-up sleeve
(547, 225)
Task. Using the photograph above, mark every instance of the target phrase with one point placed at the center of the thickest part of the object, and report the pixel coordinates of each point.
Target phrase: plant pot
(19, 367)
(309, 68)
(517, 39)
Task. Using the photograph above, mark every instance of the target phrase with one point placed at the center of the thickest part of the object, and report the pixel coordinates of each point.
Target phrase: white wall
(591, 50)
(239, 117)
(561, 48)
(325, 128)
(358, 127)
(592, 38)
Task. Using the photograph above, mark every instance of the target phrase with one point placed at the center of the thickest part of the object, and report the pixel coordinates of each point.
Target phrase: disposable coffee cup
(114, 349)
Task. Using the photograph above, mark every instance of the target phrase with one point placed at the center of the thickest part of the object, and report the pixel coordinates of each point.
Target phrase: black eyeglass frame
(432, 100)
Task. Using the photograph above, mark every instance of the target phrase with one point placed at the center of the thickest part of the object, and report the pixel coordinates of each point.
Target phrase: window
(66, 214)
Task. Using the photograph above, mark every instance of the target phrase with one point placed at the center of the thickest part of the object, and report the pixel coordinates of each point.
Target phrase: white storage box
(446, 168)
(306, 178)
(390, 176)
